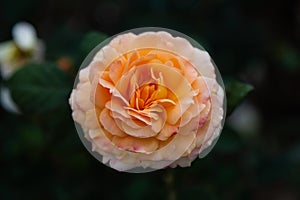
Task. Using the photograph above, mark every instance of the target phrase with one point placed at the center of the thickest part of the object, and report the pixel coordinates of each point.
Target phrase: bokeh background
(258, 153)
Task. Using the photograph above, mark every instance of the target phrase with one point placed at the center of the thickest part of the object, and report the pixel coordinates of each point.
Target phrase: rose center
(151, 94)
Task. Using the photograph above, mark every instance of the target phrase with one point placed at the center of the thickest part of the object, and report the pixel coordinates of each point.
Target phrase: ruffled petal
(167, 131)
(140, 145)
(109, 124)
(202, 61)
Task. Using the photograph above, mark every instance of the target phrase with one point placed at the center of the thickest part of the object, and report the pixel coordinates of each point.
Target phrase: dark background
(253, 41)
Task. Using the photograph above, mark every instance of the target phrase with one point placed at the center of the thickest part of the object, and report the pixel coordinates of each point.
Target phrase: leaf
(236, 92)
(38, 88)
(91, 40)
(87, 44)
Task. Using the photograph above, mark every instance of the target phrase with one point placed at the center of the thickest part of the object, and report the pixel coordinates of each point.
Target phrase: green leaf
(91, 40)
(236, 92)
(38, 88)
(87, 44)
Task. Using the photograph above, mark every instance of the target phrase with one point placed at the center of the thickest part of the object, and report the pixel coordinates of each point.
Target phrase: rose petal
(174, 113)
(106, 55)
(173, 150)
(191, 112)
(167, 131)
(144, 40)
(115, 71)
(91, 121)
(120, 43)
(145, 145)
(95, 69)
(82, 96)
(109, 124)
(202, 61)
(215, 124)
(84, 74)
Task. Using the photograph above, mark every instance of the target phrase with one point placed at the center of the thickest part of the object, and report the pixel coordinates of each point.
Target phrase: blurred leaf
(140, 189)
(32, 137)
(63, 42)
(37, 88)
(230, 142)
(288, 57)
(91, 40)
(88, 43)
(236, 92)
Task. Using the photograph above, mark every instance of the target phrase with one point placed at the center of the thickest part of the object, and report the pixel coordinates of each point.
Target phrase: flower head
(24, 47)
(148, 101)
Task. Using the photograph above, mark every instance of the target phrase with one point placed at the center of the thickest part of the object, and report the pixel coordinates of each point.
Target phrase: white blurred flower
(246, 120)
(24, 47)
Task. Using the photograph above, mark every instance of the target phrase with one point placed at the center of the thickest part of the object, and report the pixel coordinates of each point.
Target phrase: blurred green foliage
(43, 87)
(235, 93)
(256, 42)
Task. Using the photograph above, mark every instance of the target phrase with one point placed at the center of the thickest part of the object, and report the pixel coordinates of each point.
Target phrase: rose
(148, 101)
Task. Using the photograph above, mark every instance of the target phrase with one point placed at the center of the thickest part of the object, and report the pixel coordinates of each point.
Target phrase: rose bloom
(24, 47)
(148, 101)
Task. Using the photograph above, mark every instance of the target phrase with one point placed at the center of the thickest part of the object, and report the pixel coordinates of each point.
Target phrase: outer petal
(109, 123)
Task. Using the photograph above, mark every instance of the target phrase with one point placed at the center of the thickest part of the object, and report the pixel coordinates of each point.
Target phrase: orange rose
(148, 101)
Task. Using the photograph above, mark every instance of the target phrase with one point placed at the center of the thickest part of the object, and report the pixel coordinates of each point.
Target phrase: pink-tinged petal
(121, 165)
(204, 115)
(167, 131)
(178, 45)
(116, 95)
(143, 60)
(191, 112)
(72, 100)
(109, 123)
(127, 84)
(206, 86)
(173, 79)
(84, 74)
(120, 43)
(145, 145)
(173, 150)
(103, 145)
(78, 116)
(107, 54)
(146, 40)
(202, 61)
(214, 126)
(117, 106)
(96, 68)
(82, 97)
(129, 121)
(202, 131)
(174, 113)
(190, 73)
(192, 126)
(115, 71)
(182, 162)
(159, 123)
(166, 41)
(144, 131)
(107, 84)
(100, 95)
(182, 47)
(140, 132)
(150, 165)
(94, 133)
(141, 116)
(91, 121)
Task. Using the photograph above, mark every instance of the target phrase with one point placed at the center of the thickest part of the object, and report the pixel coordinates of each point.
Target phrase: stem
(169, 180)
